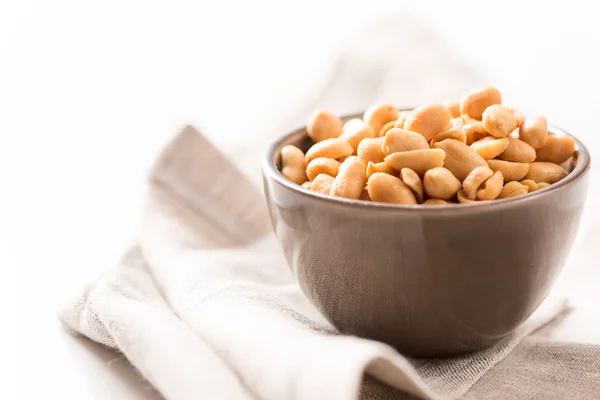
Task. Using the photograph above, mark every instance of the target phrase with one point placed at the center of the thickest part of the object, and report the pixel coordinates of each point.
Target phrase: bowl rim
(270, 170)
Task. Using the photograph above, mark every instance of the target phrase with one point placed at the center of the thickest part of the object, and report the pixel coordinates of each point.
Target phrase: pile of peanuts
(472, 151)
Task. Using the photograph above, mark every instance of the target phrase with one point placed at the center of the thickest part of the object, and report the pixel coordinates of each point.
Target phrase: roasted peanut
(293, 164)
(322, 184)
(557, 149)
(322, 165)
(379, 167)
(533, 185)
(355, 131)
(519, 117)
(513, 189)
(387, 127)
(518, 151)
(490, 147)
(429, 120)
(386, 188)
(440, 183)
(401, 119)
(365, 195)
(370, 150)
(412, 180)
(350, 180)
(457, 122)
(542, 185)
(452, 133)
(474, 180)
(474, 131)
(512, 171)
(462, 197)
(454, 107)
(499, 121)
(306, 185)
(435, 202)
(541, 171)
(534, 131)
(380, 114)
(475, 103)
(491, 188)
(460, 158)
(324, 125)
(329, 148)
(417, 160)
(397, 140)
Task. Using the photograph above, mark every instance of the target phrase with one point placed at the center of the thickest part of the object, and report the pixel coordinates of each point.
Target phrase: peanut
(322, 165)
(401, 119)
(462, 197)
(412, 180)
(306, 185)
(417, 160)
(499, 121)
(518, 151)
(387, 127)
(350, 180)
(460, 158)
(429, 120)
(322, 184)
(474, 131)
(557, 149)
(512, 171)
(379, 167)
(474, 180)
(365, 195)
(541, 171)
(389, 189)
(513, 189)
(397, 140)
(491, 188)
(533, 185)
(329, 148)
(435, 202)
(452, 133)
(490, 147)
(534, 131)
(379, 114)
(323, 125)
(355, 131)
(454, 107)
(475, 103)
(370, 150)
(293, 164)
(439, 183)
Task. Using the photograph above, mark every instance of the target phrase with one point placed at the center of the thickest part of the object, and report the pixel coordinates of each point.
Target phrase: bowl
(428, 280)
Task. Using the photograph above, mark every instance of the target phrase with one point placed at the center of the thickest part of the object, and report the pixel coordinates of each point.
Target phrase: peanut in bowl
(429, 280)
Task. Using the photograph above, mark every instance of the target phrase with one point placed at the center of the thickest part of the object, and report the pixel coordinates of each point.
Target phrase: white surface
(84, 87)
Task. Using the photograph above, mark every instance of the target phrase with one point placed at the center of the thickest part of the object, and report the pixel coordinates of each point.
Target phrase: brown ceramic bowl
(428, 280)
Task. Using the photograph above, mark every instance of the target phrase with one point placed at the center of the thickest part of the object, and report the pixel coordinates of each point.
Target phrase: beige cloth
(204, 306)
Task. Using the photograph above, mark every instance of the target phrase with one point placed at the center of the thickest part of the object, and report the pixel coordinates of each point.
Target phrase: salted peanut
(429, 120)
(460, 158)
(518, 117)
(474, 180)
(518, 151)
(355, 131)
(541, 171)
(306, 185)
(435, 202)
(401, 119)
(490, 147)
(322, 165)
(457, 122)
(323, 125)
(380, 114)
(499, 121)
(475, 103)
(387, 127)
(293, 164)
(468, 120)
(512, 171)
(531, 185)
(350, 180)
(370, 150)
(513, 189)
(397, 140)
(329, 148)
(462, 197)
(454, 107)
(439, 183)
(491, 188)
(412, 180)
(417, 160)
(534, 131)
(379, 167)
(322, 184)
(557, 149)
(452, 133)
(386, 188)
(542, 185)
(474, 131)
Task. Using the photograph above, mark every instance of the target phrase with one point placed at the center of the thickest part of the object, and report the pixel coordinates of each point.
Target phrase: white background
(89, 91)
